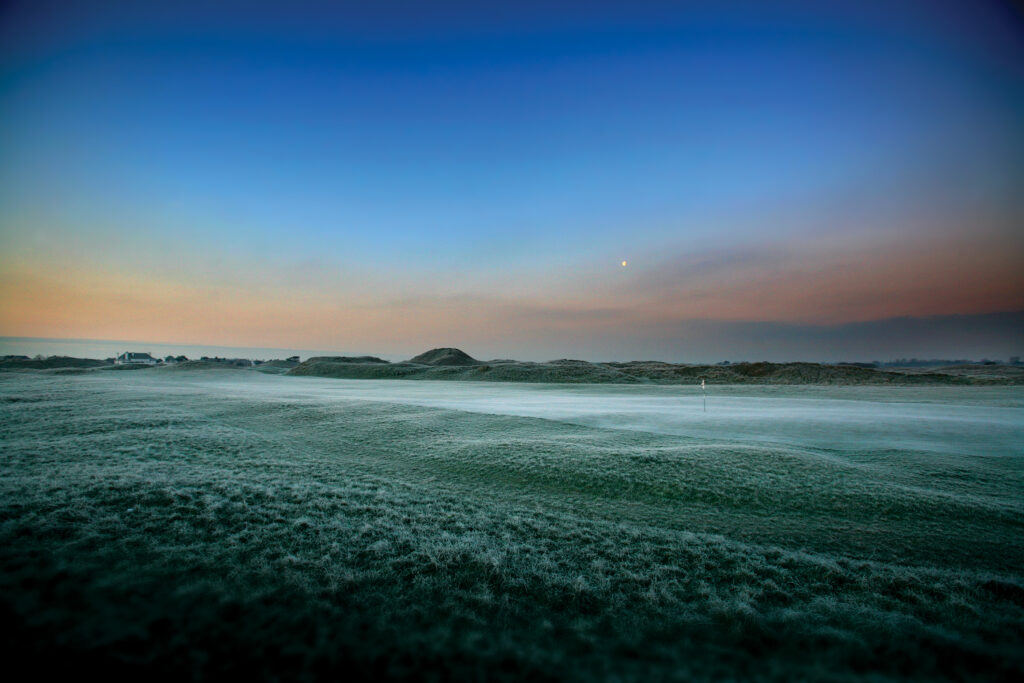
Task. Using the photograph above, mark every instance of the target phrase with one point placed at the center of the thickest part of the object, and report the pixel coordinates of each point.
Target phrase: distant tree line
(929, 362)
(914, 362)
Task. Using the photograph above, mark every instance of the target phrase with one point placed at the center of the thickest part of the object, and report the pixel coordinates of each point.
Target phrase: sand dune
(445, 356)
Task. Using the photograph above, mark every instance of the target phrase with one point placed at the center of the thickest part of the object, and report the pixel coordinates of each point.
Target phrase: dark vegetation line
(453, 364)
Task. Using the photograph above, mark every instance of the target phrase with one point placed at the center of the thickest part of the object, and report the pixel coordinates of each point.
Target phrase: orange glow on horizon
(915, 280)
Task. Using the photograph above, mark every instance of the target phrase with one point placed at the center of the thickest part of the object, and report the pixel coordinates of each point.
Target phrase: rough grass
(158, 525)
(646, 372)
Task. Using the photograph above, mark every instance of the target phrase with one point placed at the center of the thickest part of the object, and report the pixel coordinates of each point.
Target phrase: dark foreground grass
(163, 528)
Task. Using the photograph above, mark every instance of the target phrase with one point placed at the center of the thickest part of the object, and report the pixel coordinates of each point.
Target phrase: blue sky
(328, 175)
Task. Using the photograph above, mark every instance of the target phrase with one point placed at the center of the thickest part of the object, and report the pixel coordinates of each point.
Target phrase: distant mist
(991, 335)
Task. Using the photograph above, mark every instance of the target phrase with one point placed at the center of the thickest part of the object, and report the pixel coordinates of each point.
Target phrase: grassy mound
(445, 356)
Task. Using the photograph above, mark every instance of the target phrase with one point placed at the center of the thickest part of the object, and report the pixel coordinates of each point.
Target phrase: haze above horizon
(783, 179)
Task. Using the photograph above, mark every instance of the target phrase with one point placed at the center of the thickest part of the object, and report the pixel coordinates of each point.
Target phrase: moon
(624, 264)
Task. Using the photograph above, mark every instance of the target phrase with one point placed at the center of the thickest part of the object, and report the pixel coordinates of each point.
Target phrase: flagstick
(705, 391)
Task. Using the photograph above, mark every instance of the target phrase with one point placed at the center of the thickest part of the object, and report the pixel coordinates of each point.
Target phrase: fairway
(229, 522)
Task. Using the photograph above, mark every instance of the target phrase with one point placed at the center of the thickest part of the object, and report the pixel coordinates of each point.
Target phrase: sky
(792, 180)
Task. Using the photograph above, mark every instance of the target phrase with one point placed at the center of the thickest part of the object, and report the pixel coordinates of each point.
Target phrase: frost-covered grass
(214, 523)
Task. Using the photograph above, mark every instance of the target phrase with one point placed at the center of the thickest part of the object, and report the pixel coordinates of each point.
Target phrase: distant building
(132, 358)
